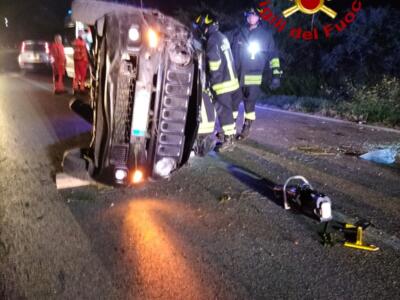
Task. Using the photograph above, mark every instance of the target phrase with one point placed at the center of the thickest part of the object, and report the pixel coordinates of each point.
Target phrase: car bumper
(34, 66)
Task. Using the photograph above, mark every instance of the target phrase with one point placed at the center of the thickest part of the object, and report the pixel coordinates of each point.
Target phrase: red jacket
(80, 53)
(57, 52)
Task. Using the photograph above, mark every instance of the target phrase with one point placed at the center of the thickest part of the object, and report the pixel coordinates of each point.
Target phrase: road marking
(13, 75)
(42, 86)
(322, 118)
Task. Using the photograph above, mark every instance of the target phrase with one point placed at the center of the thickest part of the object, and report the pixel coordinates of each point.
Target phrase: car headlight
(254, 48)
(121, 174)
(134, 34)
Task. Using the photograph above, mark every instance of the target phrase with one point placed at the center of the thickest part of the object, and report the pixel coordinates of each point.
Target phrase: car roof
(34, 42)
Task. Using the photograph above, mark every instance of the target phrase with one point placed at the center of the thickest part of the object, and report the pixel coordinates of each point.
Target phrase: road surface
(214, 231)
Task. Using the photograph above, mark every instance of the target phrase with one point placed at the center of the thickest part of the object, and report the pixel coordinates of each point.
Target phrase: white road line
(41, 86)
(322, 118)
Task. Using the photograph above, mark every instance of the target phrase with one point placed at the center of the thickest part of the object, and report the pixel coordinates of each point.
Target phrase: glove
(275, 84)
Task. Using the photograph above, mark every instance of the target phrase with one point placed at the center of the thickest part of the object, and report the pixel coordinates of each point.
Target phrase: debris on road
(350, 151)
(313, 150)
(74, 171)
(65, 181)
(383, 156)
(224, 198)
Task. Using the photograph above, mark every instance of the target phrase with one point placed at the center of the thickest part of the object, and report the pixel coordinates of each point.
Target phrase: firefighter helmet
(254, 10)
(205, 20)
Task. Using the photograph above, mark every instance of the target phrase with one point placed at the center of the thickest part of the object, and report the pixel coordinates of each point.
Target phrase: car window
(69, 36)
(35, 47)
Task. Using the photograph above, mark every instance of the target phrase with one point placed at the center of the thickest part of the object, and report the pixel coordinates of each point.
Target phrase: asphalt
(214, 231)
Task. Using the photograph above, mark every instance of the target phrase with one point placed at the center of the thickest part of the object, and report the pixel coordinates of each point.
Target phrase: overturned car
(147, 105)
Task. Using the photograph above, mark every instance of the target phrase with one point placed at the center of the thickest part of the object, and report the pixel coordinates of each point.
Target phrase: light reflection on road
(155, 253)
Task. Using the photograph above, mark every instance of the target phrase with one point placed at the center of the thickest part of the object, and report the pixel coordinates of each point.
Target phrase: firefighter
(221, 77)
(58, 64)
(80, 63)
(205, 141)
(253, 50)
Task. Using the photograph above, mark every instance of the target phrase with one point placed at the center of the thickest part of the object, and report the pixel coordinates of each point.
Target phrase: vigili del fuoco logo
(337, 24)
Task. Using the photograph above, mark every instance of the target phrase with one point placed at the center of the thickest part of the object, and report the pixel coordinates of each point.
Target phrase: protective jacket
(253, 51)
(57, 52)
(222, 74)
(80, 64)
(58, 65)
(80, 53)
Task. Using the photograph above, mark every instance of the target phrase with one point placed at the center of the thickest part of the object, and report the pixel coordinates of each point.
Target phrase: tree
(32, 19)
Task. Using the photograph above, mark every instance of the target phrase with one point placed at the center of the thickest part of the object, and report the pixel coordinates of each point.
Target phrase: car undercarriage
(146, 93)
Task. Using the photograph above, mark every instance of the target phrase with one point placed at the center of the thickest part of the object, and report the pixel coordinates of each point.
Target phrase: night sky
(42, 18)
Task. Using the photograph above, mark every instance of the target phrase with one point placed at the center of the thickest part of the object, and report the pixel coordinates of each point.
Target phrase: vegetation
(344, 76)
(377, 103)
(355, 75)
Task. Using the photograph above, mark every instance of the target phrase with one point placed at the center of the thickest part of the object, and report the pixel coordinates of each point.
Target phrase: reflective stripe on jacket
(207, 114)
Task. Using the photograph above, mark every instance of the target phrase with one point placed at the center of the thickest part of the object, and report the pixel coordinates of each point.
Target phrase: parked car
(34, 55)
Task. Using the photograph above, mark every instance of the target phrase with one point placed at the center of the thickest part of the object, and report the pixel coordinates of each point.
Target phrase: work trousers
(58, 77)
(80, 74)
(223, 107)
(249, 95)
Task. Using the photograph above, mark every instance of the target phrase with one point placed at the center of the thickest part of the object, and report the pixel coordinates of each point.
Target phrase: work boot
(220, 137)
(203, 145)
(227, 145)
(245, 130)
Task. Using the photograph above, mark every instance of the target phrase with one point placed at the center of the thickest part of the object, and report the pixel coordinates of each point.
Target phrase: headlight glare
(153, 38)
(120, 174)
(137, 177)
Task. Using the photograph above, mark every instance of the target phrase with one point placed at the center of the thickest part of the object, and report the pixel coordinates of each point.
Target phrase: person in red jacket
(57, 53)
(80, 63)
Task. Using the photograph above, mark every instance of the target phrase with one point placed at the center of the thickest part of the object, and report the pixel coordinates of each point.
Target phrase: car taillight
(23, 47)
(47, 48)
